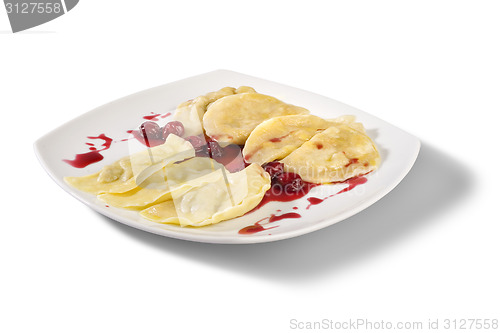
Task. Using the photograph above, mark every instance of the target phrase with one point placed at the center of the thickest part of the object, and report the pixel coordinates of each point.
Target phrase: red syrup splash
(148, 142)
(352, 183)
(277, 194)
(275, 218)
(93, 156)
(254, 228)
(258, 227)
(314, 201)
(231, 158)
(284, 197)
(156, 116)
(153, 116)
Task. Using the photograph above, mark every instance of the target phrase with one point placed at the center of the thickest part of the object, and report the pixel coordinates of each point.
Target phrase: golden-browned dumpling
(232, 118)
(277, 137)
(120, 176)
(336, 154)
(190, 113)
(223, 198)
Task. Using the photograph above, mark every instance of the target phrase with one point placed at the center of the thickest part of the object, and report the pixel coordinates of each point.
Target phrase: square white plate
(397, 148)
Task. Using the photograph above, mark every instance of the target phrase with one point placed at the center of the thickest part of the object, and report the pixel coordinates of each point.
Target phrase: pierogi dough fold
(176, 178)
(232, 118)
(190, 113)
(335, 154)
(215, 201)
(277, 137)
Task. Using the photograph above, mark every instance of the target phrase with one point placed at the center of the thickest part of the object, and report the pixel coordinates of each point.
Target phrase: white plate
(398, 151)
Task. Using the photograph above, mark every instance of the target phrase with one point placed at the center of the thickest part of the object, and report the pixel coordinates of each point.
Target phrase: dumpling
(120, 176)
(175, 178)
(277, 137)
(232, 118)
(190, 113)
(229, 195)
(336, 154)
(350, 121)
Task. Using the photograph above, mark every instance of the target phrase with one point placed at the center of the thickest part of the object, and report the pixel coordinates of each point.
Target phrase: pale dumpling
(175, 178)
(190, 113)
(350, 121)
(120, 176)
(232, 118)
(227, 196)
(277, 137)
(336, 154)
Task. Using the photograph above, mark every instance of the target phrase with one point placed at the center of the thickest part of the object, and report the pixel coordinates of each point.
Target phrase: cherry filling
(285, 186)
(214, 149)
(196, 141)
(151, 134)
(173, 127)
(274, 169)
(291, 182)
(229, 156)
(287, 182)
(150, 131)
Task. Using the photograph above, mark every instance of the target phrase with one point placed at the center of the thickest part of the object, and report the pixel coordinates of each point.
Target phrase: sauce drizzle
(352, 183)
(258, 227)
(277, 194)
(270, 196)
(275, 218)
(153, 116)
(254, 228)
(93, 156)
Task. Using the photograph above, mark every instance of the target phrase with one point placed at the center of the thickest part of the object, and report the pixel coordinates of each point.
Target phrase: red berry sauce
(352, 183)
(93, 156)
(281, 191)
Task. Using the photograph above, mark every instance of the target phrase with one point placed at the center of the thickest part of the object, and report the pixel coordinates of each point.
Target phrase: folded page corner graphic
(70, 4)
(26, 14)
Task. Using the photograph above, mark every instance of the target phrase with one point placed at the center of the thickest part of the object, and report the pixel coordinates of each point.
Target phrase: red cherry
(196, 141)
(287, 177)
(173, 127)
(214, 149)
(150, 130)
(274, 169)
(234, 165)
(294, 186)
(291, 181)
(202, 151)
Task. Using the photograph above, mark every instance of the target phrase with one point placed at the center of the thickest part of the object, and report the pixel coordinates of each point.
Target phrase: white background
(428, 250)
